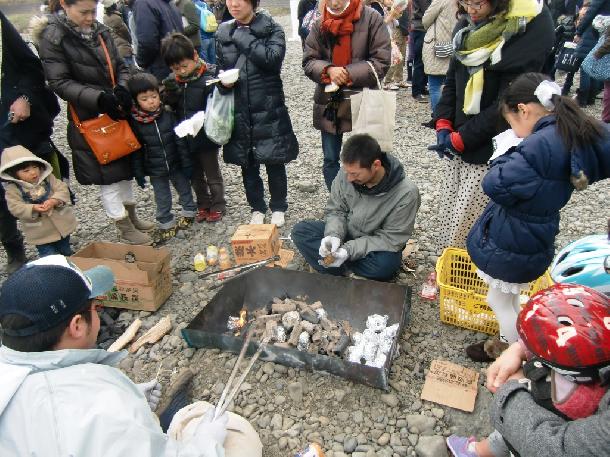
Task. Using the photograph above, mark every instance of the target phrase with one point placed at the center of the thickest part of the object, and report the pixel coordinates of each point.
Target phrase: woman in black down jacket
(262, 133)
(76, 67)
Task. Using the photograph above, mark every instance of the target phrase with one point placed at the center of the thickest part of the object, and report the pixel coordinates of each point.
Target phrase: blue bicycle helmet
(585, 262)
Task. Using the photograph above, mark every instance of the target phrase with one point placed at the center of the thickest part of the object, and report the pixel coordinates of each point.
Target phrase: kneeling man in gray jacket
(369, 216)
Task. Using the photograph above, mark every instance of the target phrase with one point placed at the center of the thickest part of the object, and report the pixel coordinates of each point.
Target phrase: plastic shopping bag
(219, 117)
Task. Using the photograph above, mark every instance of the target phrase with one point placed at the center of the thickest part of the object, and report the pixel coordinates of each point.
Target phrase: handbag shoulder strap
(110, 69)
(374, 73)
(75, 118)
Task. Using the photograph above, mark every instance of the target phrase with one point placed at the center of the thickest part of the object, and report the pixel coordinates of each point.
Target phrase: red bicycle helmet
(567, 327)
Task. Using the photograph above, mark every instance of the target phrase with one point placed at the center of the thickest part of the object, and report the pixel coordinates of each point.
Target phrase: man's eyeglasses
(472, 5)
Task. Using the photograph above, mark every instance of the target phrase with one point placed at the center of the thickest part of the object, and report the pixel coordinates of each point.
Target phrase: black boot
(15, 257)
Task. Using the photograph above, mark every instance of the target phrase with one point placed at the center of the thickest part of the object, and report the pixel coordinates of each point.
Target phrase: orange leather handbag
(108, 139)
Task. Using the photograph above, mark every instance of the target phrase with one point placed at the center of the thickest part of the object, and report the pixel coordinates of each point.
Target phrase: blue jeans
(378, 265)
(331, 149)
(163, 198)
(419, 77)
(255, 191)
(435, 82)
(208, 50)
(61, 246)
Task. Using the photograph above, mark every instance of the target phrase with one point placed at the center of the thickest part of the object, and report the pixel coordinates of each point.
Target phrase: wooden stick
(153, 335)
(242, 378)
(242, 353)
(126, 337)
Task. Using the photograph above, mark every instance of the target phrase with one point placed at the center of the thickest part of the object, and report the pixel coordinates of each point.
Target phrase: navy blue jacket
(154, 19)
(513, 240)
(162, 152)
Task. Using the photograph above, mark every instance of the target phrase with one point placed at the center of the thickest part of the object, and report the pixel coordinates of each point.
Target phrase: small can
(312, 450)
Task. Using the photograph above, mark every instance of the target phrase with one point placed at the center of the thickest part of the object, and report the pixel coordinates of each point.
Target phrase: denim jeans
(378, 265)
(435, 83)
(419, 77)
(163, 198)
(208, 50)
(331, 149)
(61, 246)
(255, 191)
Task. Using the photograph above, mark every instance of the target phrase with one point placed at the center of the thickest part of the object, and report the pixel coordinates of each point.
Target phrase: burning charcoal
(310, 315)
(371, 344)
(378, 362)
(283, 307)
(326, 324)
(376, 322)
(303, 341)
(391, 331)
(290, 319)
(294, 336)
(280, 334)
(321, 312)
(268, 317)
(316, 305)
(357, 338)
(233, 323)
(308, 327)
(385, 344)
(354, 354)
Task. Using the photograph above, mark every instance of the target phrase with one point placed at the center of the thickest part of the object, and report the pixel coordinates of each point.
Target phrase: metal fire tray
(343, 299)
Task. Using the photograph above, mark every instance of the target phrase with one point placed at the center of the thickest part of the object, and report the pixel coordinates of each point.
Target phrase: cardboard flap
(451, 385)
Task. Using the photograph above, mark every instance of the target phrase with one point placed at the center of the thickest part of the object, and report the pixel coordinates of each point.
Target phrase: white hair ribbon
(545, 91)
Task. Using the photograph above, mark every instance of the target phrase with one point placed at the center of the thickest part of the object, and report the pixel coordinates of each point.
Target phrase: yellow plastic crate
(462, 292)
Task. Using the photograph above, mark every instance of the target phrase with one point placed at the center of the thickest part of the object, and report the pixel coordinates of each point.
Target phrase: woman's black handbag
(567, 59)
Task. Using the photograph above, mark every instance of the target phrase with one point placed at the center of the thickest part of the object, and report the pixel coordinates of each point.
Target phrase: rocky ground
(290, 408)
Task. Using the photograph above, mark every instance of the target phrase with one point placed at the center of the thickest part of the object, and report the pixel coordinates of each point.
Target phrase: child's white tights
(506, 306)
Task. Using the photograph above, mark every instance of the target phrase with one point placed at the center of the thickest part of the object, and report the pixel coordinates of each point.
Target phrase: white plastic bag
(219, 117)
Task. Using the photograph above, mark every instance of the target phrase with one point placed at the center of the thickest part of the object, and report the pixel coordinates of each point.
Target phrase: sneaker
(391, 87)
(214, 216)
(405, 84)
(185, 222)
(257, 218)
(162, 236)
(421, 98)
(460, 446)
(277, 218)
(202, 215)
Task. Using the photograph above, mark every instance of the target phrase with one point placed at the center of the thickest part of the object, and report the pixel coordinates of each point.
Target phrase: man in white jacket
(58, 396)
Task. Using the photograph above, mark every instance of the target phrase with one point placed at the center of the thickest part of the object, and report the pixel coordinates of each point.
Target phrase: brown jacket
(38, 228)
(120, 33)
(370, 41)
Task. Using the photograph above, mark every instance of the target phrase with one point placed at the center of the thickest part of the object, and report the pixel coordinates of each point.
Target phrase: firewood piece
(340, 346)
(269, 317)
(260, 313)
(283, 307)
(345, 325)
(277, 300)
(294, 336)
(270, 327)
(153, 335)
(308, 327)
(126, 337)
(283, 345)
(316, 305)
(326, 324)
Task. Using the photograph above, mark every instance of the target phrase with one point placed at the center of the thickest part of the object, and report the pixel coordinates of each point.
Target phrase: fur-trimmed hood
(18, 154)
(54, 27)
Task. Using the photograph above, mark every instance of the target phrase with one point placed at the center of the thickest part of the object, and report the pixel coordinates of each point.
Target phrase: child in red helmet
(564, 335)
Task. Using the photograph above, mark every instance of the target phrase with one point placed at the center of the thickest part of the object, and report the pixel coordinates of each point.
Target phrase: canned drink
(312, 450)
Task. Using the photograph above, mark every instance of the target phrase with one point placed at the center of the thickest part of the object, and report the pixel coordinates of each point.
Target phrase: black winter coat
(162, 151)
(154, 19)
(521, 54)
(78, 73)
(187, 99)
(262, 131)
(22, 74)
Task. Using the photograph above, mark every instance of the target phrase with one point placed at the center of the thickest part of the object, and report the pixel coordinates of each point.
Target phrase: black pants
(207, 181)
(9, 235)
(255, 191)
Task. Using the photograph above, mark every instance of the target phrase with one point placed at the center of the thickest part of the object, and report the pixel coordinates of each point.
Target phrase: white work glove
(152, 392)
(211, 429)
(329, 245)
(340, 256)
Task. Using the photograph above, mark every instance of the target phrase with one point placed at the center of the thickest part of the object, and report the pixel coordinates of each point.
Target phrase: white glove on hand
(211, 429)
(329, 245)
(152, 391)
(340, 256)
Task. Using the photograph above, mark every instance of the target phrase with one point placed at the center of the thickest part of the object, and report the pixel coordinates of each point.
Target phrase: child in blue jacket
(512, 242)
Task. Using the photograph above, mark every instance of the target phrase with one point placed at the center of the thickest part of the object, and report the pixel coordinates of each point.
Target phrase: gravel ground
(290, 408)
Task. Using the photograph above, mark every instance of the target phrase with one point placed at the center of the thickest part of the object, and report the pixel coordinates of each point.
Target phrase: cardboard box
(451, 385)
(255, 242)
(143, 279)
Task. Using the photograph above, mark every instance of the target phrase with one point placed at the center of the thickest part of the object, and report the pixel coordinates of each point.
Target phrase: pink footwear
(460, 446)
